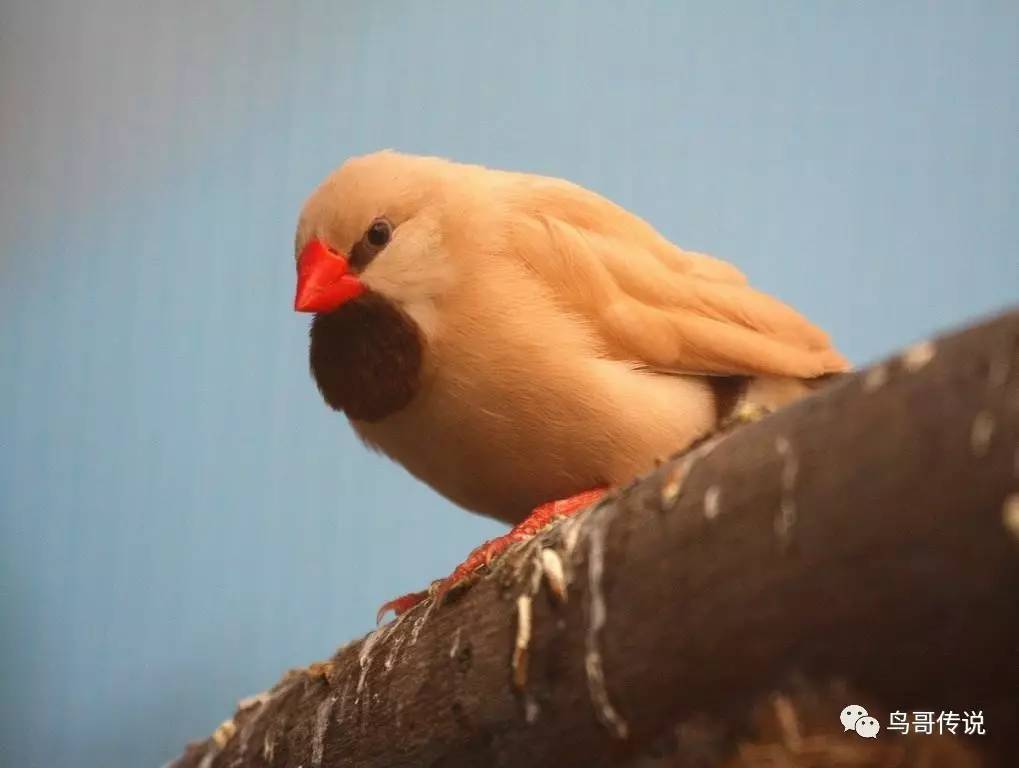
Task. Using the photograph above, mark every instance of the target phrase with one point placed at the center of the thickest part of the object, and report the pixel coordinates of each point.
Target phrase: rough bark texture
(861, 547)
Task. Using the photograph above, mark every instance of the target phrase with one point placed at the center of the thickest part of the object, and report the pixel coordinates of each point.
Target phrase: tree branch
(863, 542)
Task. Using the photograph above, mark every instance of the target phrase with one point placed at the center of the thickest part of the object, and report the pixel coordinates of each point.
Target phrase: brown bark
(861, 546)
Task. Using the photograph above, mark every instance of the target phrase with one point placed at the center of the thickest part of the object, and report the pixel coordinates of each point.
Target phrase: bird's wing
(652, 302)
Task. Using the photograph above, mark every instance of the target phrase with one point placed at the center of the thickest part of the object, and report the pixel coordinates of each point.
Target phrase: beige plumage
(529, 339)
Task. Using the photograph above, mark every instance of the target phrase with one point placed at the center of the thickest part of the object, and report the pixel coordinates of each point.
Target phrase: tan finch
(514, 339)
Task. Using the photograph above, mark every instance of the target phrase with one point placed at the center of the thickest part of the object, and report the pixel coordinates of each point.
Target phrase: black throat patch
(366, 358)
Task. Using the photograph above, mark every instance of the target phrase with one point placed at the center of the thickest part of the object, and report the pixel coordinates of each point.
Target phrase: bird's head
(372, 265)
(373, 226)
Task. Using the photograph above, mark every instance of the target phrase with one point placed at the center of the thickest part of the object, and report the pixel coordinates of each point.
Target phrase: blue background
(182, 517)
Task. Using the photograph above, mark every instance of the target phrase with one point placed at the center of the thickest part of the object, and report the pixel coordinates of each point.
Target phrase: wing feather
(653, 302)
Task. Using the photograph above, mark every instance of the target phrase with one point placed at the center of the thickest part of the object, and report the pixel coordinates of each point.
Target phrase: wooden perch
(860, 547)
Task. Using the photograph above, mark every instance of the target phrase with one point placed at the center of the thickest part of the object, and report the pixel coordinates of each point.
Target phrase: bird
(520, 343)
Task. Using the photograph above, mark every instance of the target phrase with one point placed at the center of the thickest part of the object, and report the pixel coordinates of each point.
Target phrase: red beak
(324, 280)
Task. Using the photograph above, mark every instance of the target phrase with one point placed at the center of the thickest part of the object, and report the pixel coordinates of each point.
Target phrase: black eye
(379, 232)
(364, 251)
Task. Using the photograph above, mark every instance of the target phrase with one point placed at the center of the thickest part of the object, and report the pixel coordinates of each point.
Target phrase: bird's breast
(366, 358)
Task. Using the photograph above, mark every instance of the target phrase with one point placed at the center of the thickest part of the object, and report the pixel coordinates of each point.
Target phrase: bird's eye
(375, 238)
(379, 232)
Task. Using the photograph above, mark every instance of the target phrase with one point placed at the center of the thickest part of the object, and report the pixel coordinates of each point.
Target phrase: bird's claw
(400, 605)
(483, 555)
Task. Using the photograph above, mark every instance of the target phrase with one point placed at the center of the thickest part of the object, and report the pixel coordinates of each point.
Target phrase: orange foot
(484, 554)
